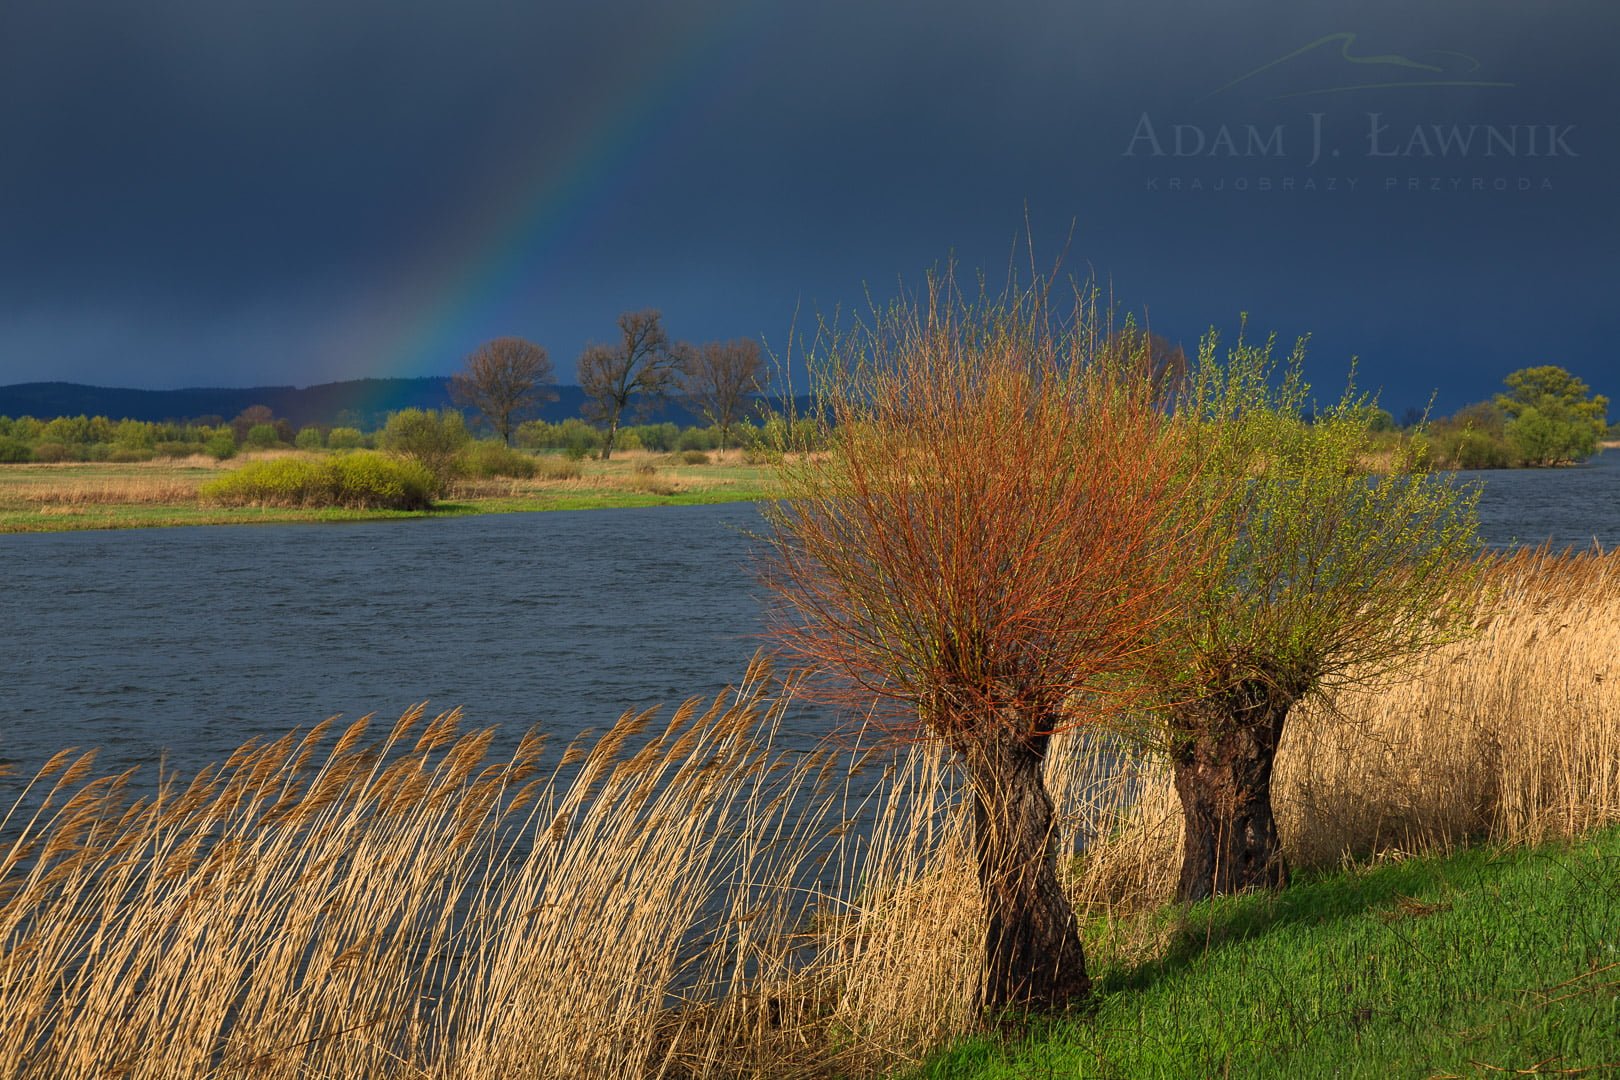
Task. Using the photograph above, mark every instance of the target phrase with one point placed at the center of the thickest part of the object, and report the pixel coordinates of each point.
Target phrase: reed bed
(692, 897)
(133, 491)
(405, 906)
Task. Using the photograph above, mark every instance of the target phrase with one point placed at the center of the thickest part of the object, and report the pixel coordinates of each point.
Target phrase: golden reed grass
(689, 897)
(134, 491)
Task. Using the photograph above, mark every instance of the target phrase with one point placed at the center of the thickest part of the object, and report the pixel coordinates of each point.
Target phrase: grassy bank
(688, 897)
(72, 496)
(1495, 960)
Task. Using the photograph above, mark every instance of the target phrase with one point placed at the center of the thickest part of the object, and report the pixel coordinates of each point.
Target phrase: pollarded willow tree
(1330, 578)
(987, 546)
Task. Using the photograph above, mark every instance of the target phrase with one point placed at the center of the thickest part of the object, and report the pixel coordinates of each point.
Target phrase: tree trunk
(1032, 946)
(1223, 756)
(607, 444)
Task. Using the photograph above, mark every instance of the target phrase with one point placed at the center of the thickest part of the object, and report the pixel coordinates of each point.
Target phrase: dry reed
(134, 491)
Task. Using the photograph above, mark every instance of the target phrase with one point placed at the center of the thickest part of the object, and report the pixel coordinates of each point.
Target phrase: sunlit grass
(1492, 961)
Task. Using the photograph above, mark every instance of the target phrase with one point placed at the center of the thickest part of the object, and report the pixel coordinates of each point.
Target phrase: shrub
(345, 438)
(489, 459)
(135, 434)
(577, 435)
(374, 481)
(176, 448)
(694, 457)
(661, 437)
(129, 453)
(573, 436)
(14, 450)
(272, 483)
(1470, 450)
(532, 435)
(56, 451)
(360, 481)
(309, 438)
(430, 438)
(696, 439)
(1540, 438)
(262, 437)
(221, 445)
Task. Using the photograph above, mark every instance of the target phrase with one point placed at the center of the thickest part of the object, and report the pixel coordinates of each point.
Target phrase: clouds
(302, 191)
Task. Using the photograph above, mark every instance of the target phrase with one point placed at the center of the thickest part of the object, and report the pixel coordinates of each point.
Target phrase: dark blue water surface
(184, 642)
(187, 641)
(1569, 507)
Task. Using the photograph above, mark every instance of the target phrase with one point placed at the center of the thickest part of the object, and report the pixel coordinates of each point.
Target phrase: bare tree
(719, 377)
(250, 418)
(504, 379)
(990, 542)
(640, 369)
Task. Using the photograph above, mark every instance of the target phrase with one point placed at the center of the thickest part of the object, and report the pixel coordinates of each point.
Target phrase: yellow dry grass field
(687, 897)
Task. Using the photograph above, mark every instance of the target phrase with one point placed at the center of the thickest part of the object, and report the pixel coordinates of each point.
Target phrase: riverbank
(68, 497)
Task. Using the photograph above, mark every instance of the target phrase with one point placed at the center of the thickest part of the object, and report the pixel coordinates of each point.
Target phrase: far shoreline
(83, 497)
(38, 498)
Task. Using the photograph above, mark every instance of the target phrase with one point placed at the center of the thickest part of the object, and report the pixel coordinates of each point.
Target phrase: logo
(1332, 116)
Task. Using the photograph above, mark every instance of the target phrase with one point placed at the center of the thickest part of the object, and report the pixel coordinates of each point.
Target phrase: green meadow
(1495, 960)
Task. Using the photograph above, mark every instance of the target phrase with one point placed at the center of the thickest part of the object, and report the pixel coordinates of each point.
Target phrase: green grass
(1489, 962)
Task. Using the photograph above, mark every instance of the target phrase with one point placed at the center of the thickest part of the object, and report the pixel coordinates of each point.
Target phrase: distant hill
(359, 402)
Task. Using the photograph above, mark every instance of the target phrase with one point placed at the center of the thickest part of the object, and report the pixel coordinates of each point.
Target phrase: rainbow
(472, 273)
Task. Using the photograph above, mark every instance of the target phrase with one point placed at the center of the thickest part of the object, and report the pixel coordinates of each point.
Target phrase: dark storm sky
(195, 193)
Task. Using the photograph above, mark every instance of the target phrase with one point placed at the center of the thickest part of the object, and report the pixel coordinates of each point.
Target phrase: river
(182, 643)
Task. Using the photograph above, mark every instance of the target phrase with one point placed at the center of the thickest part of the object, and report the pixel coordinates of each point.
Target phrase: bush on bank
(363, 480)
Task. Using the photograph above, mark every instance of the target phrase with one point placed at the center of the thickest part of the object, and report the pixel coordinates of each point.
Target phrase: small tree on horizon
(1553, 416)
(504, 380)
(1327, 578)
(988, 542)
(631, 376)
(719, 378)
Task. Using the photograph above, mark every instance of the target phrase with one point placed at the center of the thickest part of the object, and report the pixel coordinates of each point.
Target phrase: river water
(182, 643)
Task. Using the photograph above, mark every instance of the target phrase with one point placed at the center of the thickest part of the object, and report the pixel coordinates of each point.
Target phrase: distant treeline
(99, 438)
(358, 403)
